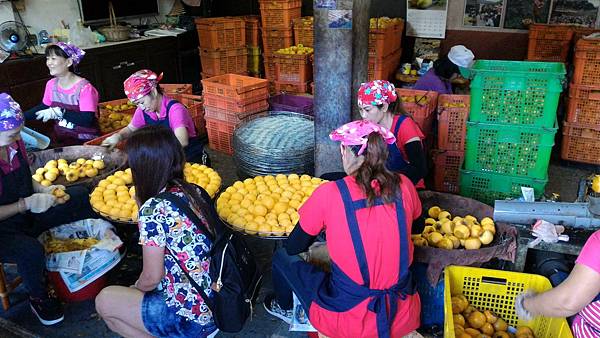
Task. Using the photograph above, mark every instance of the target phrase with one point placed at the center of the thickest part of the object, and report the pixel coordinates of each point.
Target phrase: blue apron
(395, 161)
(194, 151)
(340, 293)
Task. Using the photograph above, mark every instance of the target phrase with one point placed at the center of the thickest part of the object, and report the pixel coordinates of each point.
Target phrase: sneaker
(48, 310)
(274, 309)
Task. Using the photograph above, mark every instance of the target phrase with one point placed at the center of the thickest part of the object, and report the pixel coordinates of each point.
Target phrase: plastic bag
(81, 36)
(547, 232)
(300, 320)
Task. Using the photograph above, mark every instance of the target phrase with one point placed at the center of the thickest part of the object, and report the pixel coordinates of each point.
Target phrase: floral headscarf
(376, 93)
(11, 116)
(75, 53)
(356, 133)
(141, 83)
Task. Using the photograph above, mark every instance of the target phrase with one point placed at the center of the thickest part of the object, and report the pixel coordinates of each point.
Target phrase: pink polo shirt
(409, 129)
(88, 96)
(179, 116)
(590, 254)
(378, 225)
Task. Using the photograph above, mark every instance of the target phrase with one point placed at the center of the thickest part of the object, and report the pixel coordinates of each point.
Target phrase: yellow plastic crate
(496, 290)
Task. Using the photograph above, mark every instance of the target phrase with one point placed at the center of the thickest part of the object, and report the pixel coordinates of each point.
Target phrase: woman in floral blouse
(162, 303)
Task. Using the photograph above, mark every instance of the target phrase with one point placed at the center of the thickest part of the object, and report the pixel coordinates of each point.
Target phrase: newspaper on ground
(80, 268)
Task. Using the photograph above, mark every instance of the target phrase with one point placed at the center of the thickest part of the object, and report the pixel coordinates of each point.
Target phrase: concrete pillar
(360, 49)
(333, 77)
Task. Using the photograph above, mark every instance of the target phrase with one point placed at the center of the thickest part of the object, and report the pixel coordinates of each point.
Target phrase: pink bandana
(376, 93)
(11, 116)
(141, 83)
(357, 133)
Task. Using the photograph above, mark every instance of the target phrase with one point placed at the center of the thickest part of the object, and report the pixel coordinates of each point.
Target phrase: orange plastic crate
(175, 89)
(234, 106)
(103, 111)
(252, 23)
(294, 88)
(279, 14)
(447, 164)
(584, 105)
(303, 34)
(587, 62)
(233, 117)
(98, 141)
(385, 41)
(581, 143)
(269, 68)
(220, 135)
(549, 42)
(195, 105)
(418, 103)
(383, 68)
(453, 112)
(224, 61)
(236, 87)
(292, 67)
(276, 39)
(223, 32)
(579, 32)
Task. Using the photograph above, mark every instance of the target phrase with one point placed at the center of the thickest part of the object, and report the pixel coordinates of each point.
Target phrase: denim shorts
(163, 321)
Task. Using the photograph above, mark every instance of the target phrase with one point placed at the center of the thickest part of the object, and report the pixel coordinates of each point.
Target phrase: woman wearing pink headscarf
(69, 100)
(27, 209)
(156, 108)
(367, 218)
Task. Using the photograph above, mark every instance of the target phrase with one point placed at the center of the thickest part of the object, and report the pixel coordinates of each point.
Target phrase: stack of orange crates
(549, 42)
(222, 46)
(253, 44)
(293, 72)
(581, 130)
(229, 100)
(277, 17)
(385, 47)
(452, 115)
(304, 33)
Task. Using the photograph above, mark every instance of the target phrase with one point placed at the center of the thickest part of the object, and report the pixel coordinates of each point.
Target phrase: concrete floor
(81, 319)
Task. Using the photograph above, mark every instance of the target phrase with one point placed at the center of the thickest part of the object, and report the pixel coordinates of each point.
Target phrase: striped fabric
(587, 322)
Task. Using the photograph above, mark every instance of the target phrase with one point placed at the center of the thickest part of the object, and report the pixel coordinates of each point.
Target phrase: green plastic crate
(488, 187)
(516, 92)
(514, 150)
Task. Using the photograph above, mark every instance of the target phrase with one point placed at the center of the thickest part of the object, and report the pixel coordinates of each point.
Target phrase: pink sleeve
(137, 121)
(179, 116)
(312, 213)
(589, 255)
(88, 98)
(47, 99)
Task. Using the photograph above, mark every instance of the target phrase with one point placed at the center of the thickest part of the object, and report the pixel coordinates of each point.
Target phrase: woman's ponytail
(373, 177)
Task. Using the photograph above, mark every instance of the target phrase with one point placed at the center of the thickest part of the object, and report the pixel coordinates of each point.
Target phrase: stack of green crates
(511, 128)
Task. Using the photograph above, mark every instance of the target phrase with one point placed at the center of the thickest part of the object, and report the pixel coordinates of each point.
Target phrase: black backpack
(232, 268)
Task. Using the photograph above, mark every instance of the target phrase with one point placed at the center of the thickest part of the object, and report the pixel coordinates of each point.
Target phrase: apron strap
(401, 118)
(359, 248)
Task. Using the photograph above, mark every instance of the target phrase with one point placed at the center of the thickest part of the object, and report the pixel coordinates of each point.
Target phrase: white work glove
(65, 124)
(39, 202)
(520, 310)
(547, 232)
(111, 141)
(52, 113)
(46, 190)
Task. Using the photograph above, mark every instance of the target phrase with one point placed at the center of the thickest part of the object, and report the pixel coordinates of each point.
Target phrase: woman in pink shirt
(367, 218)
(69, 100)
(156, 108)
(577, 295)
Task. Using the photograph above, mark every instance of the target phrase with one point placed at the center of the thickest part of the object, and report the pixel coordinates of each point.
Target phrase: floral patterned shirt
(161, 224)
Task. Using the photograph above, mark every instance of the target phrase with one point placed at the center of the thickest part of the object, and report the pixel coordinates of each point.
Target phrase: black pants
(18, 236)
